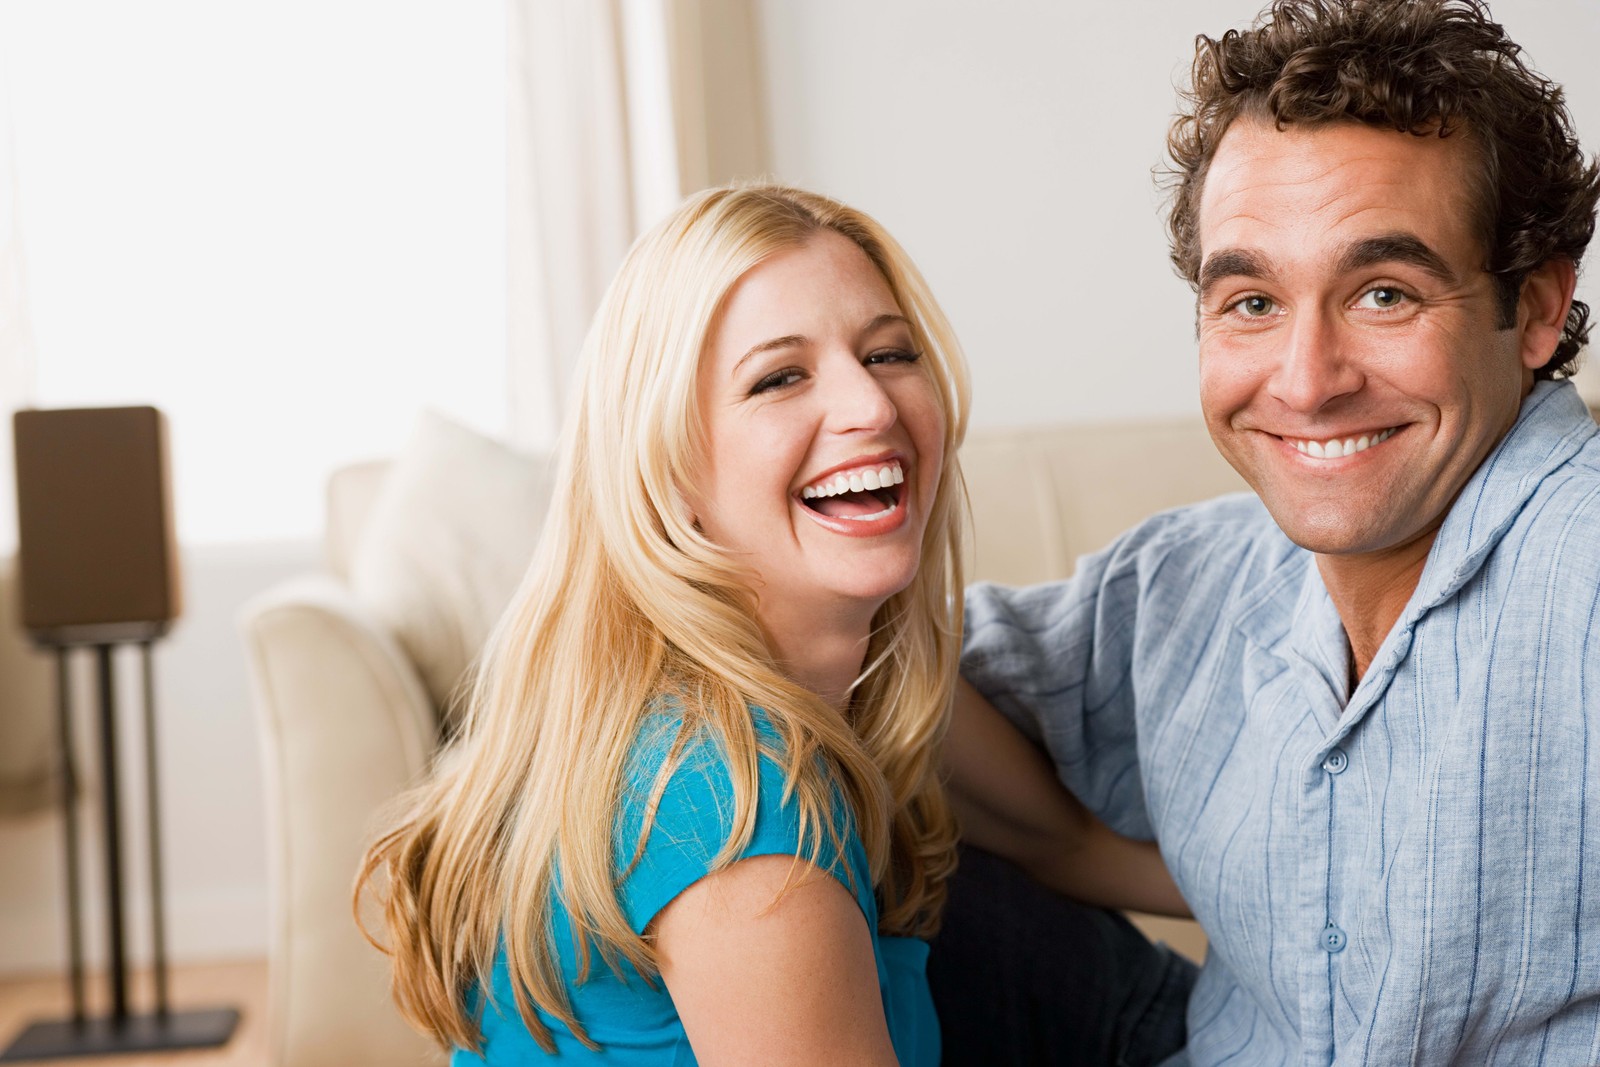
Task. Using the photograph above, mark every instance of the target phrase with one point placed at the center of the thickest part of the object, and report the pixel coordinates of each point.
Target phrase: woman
(696, 811)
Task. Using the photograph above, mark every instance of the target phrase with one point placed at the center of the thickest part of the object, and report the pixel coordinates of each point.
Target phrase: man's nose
(856, 399)
(1314, 367)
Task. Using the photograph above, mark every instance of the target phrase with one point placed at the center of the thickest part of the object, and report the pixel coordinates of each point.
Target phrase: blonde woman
(695, 814)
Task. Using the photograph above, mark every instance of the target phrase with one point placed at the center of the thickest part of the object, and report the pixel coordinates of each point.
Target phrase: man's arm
(1010, 802)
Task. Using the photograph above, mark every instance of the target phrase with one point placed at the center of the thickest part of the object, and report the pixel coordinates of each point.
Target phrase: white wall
(1009, 147)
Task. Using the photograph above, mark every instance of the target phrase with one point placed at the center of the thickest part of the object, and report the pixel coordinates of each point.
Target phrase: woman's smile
(861, 499)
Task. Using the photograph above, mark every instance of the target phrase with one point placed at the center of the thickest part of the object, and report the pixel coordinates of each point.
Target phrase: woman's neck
(823, 653)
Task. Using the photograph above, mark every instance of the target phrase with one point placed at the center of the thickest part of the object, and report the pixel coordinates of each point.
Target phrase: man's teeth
(859, 481)
(1337, 447)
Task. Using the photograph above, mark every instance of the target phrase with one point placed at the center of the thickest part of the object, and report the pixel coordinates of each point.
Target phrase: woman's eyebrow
(793, 340)
(885, 319)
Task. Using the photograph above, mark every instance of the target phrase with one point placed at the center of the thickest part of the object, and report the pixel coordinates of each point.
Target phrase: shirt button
(1333, 939)
(1336, 762)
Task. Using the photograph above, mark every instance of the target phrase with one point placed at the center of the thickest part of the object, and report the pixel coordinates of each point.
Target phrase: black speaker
(97, 550)
(98, 565)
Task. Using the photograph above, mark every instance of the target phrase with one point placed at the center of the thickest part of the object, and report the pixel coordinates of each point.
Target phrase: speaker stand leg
(121, 1032)
(158, 919)
(69, 824)
(116, 949)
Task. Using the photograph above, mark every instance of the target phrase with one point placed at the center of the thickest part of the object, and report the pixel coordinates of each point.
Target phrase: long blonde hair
(625, 602)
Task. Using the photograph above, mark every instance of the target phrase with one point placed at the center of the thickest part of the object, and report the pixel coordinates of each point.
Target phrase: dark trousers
(1023, 976)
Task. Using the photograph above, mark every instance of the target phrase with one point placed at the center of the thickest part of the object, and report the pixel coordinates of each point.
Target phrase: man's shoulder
(1237, 513)
(1228, 531)
(1565, 506)
(1218, 551)
(1544, 563)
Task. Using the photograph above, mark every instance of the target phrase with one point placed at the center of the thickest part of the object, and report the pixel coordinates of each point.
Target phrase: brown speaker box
(97, 551)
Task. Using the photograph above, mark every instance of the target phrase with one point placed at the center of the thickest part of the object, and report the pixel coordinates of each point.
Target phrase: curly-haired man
(1359, 711)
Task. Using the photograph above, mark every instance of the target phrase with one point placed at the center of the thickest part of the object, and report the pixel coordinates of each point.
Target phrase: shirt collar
(1551, 427)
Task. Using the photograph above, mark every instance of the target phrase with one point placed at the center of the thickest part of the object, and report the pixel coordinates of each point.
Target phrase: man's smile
(1339, 447)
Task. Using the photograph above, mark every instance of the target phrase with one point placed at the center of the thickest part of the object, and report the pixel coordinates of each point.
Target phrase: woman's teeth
(858, 481)
(1339, 447)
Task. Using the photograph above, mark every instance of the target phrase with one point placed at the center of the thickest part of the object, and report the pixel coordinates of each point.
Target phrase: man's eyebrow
(1233, 263)
(1397, 247)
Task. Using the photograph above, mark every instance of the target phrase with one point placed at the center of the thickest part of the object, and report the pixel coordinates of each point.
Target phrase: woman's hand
(764, 974)
(1010, 802)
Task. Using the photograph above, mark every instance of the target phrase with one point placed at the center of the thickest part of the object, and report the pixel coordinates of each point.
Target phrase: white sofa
(349, 713)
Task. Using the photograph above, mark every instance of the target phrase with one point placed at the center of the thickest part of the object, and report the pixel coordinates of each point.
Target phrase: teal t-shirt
(634, 1022)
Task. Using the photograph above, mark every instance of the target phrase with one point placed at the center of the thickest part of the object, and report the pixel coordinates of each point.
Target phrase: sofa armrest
(345, 725)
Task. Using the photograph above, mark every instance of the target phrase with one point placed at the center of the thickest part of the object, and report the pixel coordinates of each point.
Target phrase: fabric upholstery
(448, 540)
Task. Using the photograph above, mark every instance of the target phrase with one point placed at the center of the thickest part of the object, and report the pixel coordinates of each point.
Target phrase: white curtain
(570, 214)
(27, 750)
(16, 331)
(618, 108)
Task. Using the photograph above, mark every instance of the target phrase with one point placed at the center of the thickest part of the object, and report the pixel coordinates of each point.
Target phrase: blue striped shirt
(1409, 874)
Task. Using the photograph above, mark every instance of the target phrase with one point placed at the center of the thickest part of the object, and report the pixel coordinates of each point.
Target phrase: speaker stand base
(138, 1033)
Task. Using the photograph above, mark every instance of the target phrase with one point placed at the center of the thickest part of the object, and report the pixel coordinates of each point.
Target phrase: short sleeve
(696, 816)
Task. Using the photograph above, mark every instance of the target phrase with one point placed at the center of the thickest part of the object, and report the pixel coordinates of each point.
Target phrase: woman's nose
(856, 399)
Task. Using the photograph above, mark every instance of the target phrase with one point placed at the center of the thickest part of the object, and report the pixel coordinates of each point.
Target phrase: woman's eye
(892, 355)
(1255, 307)
(777, 380)
(1381, 297)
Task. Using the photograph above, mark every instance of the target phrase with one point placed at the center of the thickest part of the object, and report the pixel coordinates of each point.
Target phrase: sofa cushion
(446, 544)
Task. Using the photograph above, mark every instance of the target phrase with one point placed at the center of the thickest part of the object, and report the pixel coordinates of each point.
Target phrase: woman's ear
(1542, 309)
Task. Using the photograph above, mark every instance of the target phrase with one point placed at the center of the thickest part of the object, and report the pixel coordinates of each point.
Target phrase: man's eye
(1381, 297)
(892, 355)
(1255, 307)
(777, 380)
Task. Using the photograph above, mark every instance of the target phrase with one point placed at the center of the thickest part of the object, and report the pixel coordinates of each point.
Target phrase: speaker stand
(121, 1031)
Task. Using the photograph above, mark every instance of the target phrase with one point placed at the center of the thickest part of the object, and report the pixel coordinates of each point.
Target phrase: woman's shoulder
(678, 809)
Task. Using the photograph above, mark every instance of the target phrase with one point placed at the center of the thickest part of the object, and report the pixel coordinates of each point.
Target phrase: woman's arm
(1010, 802)
(764, 974)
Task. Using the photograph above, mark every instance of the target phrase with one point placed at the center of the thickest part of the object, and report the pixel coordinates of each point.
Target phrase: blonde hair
(626, 602)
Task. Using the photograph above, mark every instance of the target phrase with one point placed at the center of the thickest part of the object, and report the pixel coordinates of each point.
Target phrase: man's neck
(1369, 591)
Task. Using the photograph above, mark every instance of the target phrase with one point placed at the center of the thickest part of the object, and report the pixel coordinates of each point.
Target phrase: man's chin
(1329, 530)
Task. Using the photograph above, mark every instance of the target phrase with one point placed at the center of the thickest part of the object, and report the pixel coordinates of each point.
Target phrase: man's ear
(1542, 309)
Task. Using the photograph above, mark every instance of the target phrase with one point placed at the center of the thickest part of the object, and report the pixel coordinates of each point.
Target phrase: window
(283, 224)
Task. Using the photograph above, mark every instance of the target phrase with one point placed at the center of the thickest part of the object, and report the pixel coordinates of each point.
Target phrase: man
(1361, 715)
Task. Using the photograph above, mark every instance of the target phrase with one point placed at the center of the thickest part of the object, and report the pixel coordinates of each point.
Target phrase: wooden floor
(243, 985)
(240, 985)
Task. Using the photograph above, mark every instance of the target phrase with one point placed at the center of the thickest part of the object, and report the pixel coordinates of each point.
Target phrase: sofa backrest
(351, 491)
(1043, 497)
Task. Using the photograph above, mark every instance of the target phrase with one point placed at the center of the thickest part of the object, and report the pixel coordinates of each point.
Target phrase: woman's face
(826, 435)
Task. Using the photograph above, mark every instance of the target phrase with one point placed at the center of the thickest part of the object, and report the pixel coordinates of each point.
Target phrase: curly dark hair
(1424, 67)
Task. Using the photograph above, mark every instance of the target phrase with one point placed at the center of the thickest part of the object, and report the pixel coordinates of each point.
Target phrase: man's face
(1352, 363)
